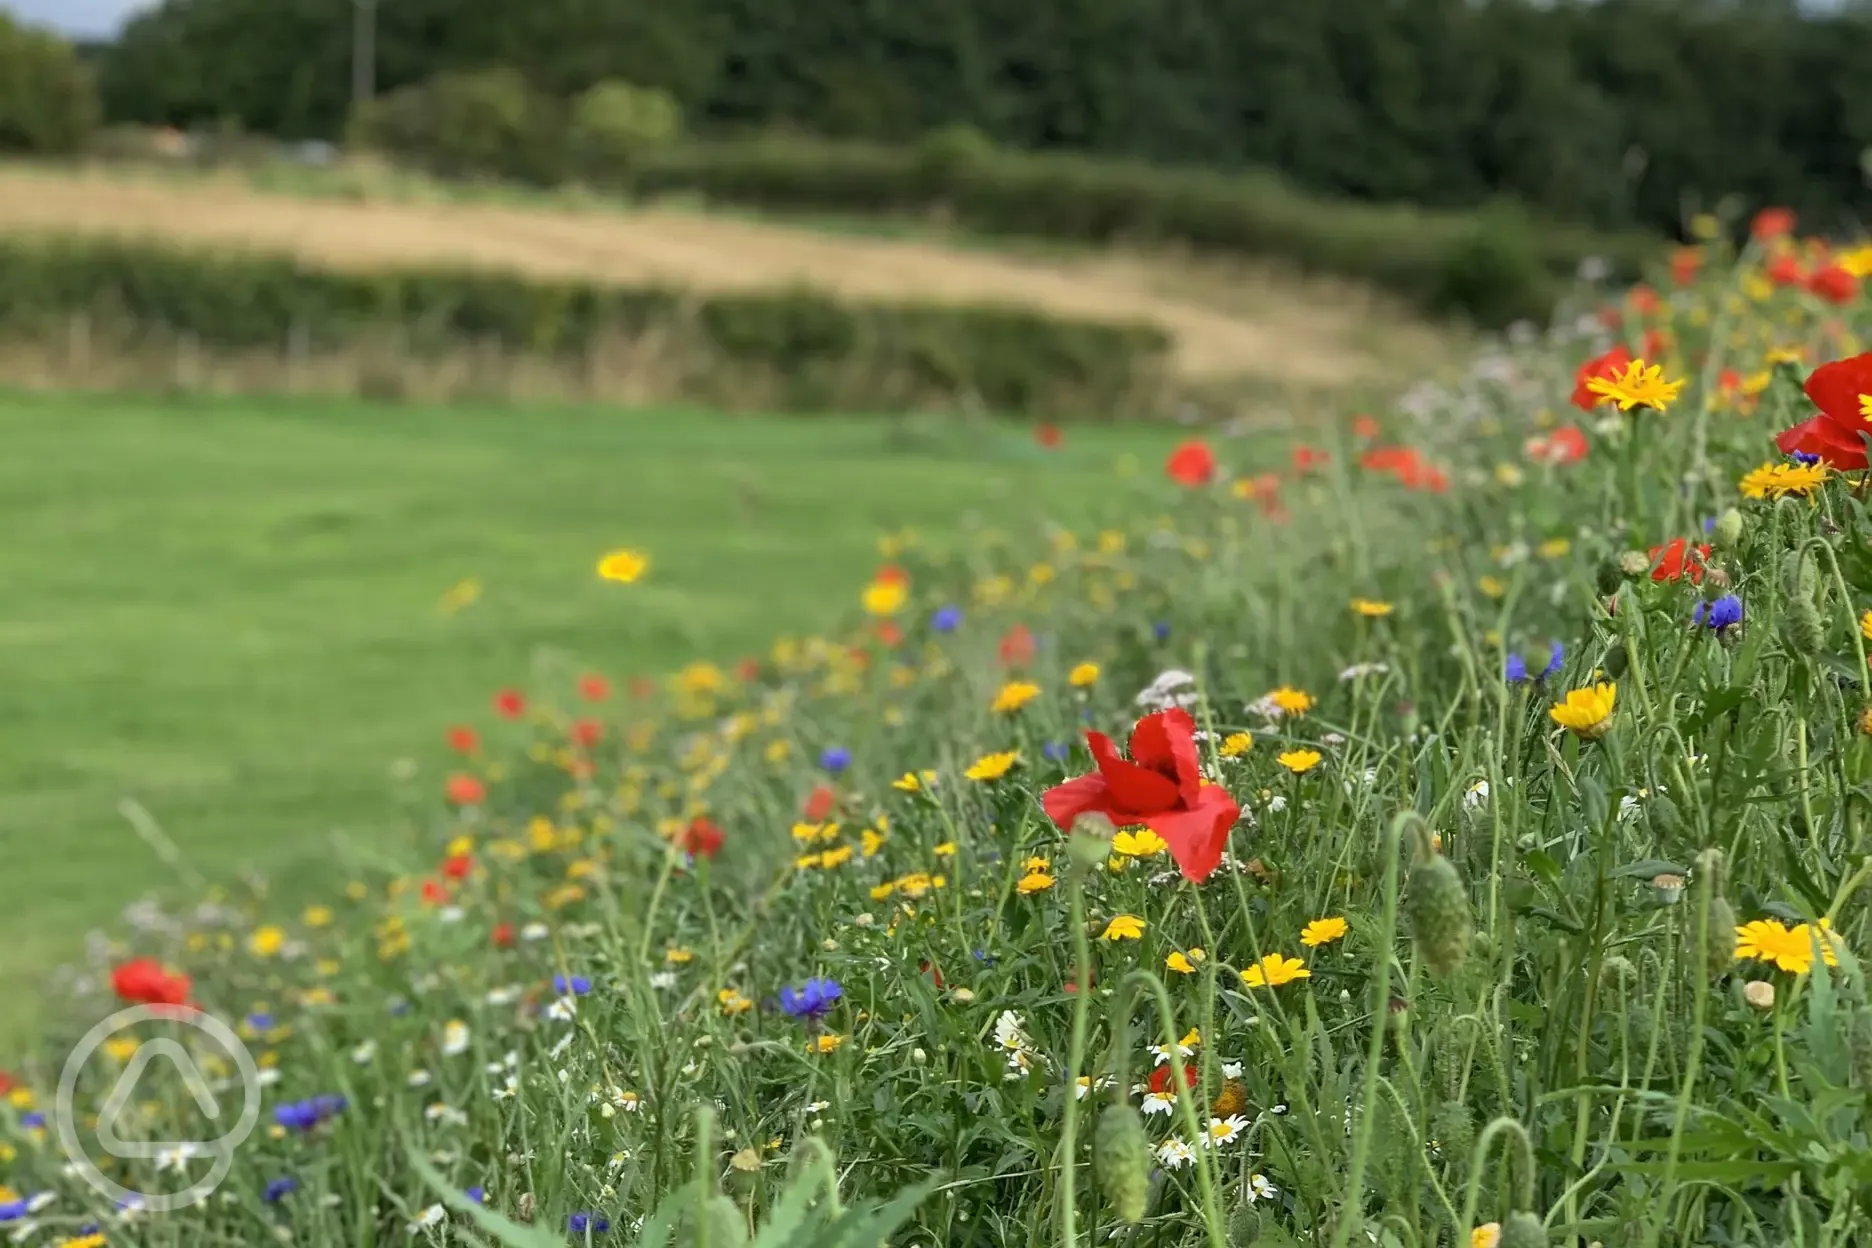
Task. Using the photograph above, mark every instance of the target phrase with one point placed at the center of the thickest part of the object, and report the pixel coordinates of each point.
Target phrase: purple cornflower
(596, 1223)
(835, 758)
(1514, 669)
(478, 1194)
(813, 999)
(1055, 751)
(946, 619)
(577, 985)
(304, 1115)
(1725, 612)
(1161, 630)
(279, 1189)
(32, 1119)
(1805, 457)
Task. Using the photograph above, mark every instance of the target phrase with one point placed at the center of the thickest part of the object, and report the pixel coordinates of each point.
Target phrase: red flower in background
(934, 972)
(701, 839)
(1365, 427)
(1644, 300)
(434, 892)
(1160, 786)
(1834, 284)
(1601, 368)
(1772, 223)
(458, 866)
(1192, 464)
(1404, 463)
(464, 790)
(1685, 262)
(1676, 559)
(593, 687)
(641, 687)
(502, 935)
(748, 669)
(1017, 647)
(463, 739)
(1785, 271)
(1842, 391)
(1307, 458)
(1163, 1079)
(509, 704)
(1565, 445)
(7, 1083)
(890, 574)
(145, 981)
(819, 803)
(1729, 380)
(1049, 436)
(888, 633)
(1656, 343)
(587, 732)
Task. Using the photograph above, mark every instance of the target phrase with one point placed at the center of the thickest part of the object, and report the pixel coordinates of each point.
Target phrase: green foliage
(465, 124)
(799, 350)
(615, 123)
(48, 103)
(1619, 112)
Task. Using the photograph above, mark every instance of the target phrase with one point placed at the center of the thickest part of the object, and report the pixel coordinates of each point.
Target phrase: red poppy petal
(1835, 388)
(1166, 742)
(1135, 790)
(1820, 436)
(1064, 803)
(1197, 837)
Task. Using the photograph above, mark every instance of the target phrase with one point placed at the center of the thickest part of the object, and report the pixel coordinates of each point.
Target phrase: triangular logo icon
(126, 1086)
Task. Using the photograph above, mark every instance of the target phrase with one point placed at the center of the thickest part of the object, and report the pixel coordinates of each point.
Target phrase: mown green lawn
(227, 610)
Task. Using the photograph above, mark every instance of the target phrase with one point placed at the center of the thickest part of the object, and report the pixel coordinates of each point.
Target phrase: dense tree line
(1618, 111)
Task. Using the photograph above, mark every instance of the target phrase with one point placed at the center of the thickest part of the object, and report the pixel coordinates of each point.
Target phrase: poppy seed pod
(723, 1224)
(1719, 952)
(1522, 1230)
(1438, 906)
(1726, 535)
(1121, 1161)
(1802, 625)
(1244, 1226)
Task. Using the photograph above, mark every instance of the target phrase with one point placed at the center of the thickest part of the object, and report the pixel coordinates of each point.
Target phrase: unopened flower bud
(1523, 1230)
(1121, 1161)
(1438, 905)
(1759, 993)
(1727, 533)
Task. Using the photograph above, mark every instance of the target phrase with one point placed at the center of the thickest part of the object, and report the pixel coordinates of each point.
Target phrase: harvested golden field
(1228, 319)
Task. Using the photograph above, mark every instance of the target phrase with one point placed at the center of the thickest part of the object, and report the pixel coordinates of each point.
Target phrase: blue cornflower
(398, 1007)
(478, 1194)
(813, 999)
(1725, 612)
(1553, 662)
(1805, 457)
(596, 1223)
(32, 1119)
(13, 1210)
(946, 619)
(835, 758)
(1514, 669)
(577, 985)
(260, 1020)
(296, 1115)
(1055, 751)
(1161, 630)
(1709, 524)
(279, 1189)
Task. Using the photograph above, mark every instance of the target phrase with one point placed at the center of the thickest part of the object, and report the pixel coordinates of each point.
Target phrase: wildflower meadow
(1452, 832)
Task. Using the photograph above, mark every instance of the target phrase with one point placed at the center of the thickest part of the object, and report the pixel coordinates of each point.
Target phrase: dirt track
(1273, 328)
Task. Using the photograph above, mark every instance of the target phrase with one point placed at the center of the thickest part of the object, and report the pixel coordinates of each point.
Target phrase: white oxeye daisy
(1007, 1031)
(562, 1010)
(455, 1037)
(1259, 1189)
(1157, 1103)
(1175, 1154)
(418, 1079)
(502, 996)
(1224, 1130)
(434, 1215)
(445, 1114)
(1476, 796)
(363, 1054)
(1231, 1070)
(663, 979)
(534, 931)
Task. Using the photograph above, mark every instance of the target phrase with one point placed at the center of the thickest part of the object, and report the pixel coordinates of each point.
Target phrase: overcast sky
(76, 17)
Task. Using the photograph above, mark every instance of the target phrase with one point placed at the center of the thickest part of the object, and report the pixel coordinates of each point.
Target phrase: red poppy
(434, 892)
(509, 704)
(1675, 560)
(1644, 300)
(464, 790)
(1835, 284)
(748, 669)
(463, 739)
(1601, 368)
(458, 866)
(1685, 262)
(819, 803)
(1049, 436)
(1728, 380)
(641, 687)
(1611, 316)
(1565, 445)
(593, 687)
(1307, 458)
(1160, 787)
(1162, 1079)
(1656, 343)
(144, 981)
(1072, 978)
(1017, 646)
(502, 935)
(1786, 271)
(1386, 458)
(1842, 391)
(701, 839)
(7, 1083)
(586, 733)
(1365, 427)
(890, 574)
(1772, 223)
(934, 972)
(1192, 464)
(888, 633)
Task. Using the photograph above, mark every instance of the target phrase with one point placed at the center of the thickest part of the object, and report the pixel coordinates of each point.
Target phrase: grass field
(1228, 318)
(228, 611)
